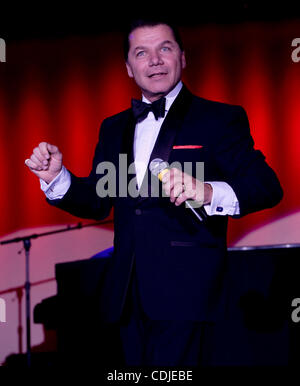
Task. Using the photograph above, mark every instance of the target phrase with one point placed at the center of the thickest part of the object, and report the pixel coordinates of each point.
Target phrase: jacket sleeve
(244, 168)
(81, 199)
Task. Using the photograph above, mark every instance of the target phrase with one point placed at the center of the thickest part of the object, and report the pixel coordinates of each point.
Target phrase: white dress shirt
(224, 200)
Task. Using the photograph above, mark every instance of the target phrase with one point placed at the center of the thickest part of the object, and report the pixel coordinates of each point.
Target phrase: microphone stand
(27, 245)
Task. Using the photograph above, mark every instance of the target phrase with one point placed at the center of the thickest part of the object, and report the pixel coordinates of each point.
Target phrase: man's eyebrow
(166, 42)
(139, 48)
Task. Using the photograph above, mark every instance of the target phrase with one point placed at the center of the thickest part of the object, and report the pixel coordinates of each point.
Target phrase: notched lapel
(127, 149)
(128, 138)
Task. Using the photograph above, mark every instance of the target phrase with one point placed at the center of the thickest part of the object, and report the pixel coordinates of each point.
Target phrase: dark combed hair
(137, 23)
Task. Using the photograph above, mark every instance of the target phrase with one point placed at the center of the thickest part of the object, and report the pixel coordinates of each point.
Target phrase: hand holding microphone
(182, 187)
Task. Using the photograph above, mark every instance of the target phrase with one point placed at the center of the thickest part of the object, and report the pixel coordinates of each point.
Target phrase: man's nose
(155, 59)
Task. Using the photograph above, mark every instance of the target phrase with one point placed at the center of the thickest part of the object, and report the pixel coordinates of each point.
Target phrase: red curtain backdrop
(60, 90)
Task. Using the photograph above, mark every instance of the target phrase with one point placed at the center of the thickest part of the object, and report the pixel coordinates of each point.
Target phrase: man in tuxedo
(165, 281)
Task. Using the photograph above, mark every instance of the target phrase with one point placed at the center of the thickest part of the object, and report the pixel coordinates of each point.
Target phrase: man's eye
(140, 53)
(165, 49)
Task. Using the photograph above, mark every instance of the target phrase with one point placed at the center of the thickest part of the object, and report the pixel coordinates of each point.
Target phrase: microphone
(158, 167)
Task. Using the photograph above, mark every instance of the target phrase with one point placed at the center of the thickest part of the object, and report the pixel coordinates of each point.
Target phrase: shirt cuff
(58, 187)
(224, 201)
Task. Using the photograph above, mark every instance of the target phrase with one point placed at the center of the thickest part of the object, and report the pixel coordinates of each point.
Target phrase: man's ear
(129, 71)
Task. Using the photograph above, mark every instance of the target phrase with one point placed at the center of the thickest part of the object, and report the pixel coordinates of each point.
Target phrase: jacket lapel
(128, 138)
(126, 149)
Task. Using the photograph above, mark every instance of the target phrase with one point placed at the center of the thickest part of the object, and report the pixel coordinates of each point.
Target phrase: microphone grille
(157, 165)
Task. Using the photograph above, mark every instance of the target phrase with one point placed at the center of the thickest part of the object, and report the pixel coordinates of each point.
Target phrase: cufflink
(219, 209)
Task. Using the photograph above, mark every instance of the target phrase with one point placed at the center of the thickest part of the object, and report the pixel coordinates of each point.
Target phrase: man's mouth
(157, 74)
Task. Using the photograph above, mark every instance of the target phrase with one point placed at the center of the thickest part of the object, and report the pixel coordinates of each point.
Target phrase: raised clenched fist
(45, 161)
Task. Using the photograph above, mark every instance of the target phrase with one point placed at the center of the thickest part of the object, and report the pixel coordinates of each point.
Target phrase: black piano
(257, 330)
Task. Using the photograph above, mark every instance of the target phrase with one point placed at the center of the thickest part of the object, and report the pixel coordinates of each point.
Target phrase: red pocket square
(188, 147)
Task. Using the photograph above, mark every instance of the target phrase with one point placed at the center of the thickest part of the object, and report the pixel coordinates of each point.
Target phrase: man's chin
(159, 91)
(159, 85)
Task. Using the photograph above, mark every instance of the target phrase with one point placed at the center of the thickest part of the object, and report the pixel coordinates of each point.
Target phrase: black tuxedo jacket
(180, 263)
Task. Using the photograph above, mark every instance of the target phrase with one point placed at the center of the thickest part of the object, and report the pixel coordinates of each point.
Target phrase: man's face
(155, 60)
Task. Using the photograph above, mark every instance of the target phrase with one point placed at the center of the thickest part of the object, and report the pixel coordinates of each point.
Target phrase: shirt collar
(170, 97)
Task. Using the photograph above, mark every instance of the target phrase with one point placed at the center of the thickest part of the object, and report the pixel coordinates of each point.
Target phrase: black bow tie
(141, 109)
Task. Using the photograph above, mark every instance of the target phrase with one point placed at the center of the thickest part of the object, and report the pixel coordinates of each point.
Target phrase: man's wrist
(224, 200)
(58, 186)
(208, 193)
